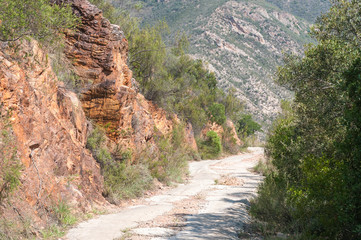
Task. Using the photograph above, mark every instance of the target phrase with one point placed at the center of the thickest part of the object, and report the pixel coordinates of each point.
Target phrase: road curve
(221, 215)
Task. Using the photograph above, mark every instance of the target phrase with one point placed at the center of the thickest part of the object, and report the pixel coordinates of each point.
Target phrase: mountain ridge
(241, 41)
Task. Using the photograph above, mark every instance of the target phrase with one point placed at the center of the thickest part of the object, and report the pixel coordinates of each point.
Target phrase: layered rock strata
(51, 131)
(98, 51)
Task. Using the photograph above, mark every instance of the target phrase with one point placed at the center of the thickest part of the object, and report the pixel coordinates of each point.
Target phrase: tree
(315, 150)
(217, 113)
(247, 126)
(38, 19)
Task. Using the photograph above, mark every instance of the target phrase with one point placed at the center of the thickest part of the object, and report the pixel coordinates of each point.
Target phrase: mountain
(241, 41)
(306, 9)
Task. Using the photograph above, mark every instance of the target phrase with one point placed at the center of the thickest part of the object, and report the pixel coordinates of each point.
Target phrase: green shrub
(246, 126)
(169, 164)
(63, 214)
(264, 167)
(96, 139)
(52, 232)
(271, 204)
(170, 161)
(217, 113)
(34, 18)
(123, 181)
(211, 147)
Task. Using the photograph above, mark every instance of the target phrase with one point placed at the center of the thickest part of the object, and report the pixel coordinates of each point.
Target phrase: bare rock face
(190, 140)
(212, 127)
(51, 131)
(99, 51)
(228, 134)
(233, 132)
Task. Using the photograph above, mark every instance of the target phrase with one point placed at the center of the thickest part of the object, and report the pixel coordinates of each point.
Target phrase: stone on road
(220, 217)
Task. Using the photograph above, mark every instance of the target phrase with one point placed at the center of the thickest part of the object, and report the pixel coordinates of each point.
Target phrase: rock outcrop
(98, 51)
(51, 131)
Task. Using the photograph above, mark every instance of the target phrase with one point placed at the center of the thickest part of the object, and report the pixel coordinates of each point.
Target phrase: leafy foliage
(217, 113)
(315, 147)
(247, 126)
(165, 161)
(121, 179)
(170, 162)
(210, 148)
(34, 18)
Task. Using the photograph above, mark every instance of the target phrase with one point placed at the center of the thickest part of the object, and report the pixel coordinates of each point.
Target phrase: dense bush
(229, 142)
(246, 126)
(121, 179)
(217, 113)
(170, 161)
(315, 147)
(211, 147)
(38, 19)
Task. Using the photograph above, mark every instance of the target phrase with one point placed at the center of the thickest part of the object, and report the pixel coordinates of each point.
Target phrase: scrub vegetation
(312, 190)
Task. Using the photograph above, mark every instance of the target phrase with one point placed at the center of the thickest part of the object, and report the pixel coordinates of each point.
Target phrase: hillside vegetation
(306, 9)
(241, 41)
(312, 189)
(168, 76)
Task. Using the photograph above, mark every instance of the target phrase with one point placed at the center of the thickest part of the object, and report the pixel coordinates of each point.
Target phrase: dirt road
(212, 205)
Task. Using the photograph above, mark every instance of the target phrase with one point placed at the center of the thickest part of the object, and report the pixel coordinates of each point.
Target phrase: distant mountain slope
(307, 9)
(242, 41)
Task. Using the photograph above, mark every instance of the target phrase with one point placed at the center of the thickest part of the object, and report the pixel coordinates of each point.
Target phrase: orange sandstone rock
(99, 51)
(51, 131)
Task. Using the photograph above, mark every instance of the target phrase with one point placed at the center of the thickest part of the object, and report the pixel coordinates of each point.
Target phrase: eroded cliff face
(51, 131)
(51, 123)
(98, 51)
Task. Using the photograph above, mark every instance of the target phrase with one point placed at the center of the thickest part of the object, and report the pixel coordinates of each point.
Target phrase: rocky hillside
(306, 9)
(51, 124)
(46, 126)
(241, 41)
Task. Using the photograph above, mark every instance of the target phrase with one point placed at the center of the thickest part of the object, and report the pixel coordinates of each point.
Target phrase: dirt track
(212, 205)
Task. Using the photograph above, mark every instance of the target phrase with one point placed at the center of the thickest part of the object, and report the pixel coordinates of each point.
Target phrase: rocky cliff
(51, 123)
(98, 51)
(51, 131)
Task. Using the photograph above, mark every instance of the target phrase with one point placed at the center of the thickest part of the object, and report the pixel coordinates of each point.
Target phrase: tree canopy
(315, 147)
